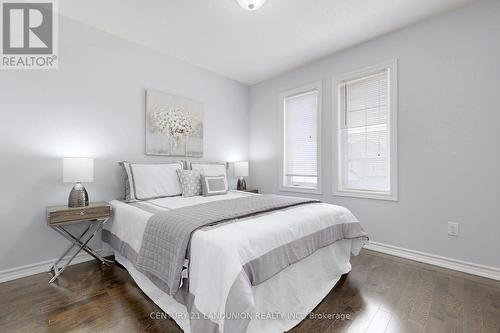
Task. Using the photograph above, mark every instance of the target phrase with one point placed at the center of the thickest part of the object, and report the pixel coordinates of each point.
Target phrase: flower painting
(174, 125)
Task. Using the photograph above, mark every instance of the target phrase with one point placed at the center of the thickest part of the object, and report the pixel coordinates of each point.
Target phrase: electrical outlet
(453, 229)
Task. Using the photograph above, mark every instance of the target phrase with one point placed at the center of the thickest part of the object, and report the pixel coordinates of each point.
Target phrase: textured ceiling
(250, 47)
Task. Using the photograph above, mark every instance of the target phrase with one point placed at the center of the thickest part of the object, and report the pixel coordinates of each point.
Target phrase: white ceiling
(247, 46)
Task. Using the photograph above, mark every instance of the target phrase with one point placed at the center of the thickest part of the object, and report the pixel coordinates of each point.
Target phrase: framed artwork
(174, 125)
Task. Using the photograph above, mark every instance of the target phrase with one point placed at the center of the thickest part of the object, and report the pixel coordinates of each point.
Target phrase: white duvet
(216, 255)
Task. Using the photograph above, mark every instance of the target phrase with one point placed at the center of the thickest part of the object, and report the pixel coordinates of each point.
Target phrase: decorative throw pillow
(213, 185)
(211, 169)
(190, 182)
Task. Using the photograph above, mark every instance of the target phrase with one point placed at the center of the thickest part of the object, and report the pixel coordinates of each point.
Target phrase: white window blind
(301, 139)
(365, 156)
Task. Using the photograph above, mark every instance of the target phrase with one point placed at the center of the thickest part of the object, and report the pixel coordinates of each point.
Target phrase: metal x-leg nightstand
(59, 217)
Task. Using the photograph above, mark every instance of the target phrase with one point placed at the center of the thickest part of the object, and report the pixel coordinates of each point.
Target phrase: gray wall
(449, 116)
(93, 105)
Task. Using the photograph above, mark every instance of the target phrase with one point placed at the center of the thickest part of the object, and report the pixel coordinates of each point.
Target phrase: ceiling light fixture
(251, 4)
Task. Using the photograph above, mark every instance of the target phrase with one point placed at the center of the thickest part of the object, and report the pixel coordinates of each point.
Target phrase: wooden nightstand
(95, 215)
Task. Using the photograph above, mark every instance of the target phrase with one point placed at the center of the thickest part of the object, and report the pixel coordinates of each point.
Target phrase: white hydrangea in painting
(174, 125)
(174, 122)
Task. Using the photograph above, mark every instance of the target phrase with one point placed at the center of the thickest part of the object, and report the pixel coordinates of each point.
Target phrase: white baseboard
(41, 267)
(427, 258)
(432, 259)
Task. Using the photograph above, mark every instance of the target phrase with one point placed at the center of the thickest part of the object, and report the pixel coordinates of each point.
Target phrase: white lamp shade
(241, 169)
(78, 170)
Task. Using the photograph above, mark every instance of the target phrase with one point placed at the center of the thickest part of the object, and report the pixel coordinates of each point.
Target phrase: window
(301, 139)
(366, 154)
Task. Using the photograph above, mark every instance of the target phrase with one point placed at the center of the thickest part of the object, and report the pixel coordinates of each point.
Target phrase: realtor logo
(29, 34)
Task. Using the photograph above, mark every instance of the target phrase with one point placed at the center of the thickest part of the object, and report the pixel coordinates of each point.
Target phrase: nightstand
(94, 215)
(252, 190)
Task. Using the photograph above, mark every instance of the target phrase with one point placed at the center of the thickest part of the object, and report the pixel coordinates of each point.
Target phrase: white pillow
(129, 186)
(149, 181)
(211, 169)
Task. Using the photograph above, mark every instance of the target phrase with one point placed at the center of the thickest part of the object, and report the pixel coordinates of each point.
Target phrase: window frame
(337, 189)
(292, 92)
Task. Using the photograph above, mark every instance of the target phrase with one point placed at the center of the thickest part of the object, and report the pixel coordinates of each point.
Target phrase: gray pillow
(190, 182)
(213, 185)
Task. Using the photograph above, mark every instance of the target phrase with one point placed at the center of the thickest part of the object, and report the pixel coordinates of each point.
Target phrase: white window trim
(393, 121)
(313, 86)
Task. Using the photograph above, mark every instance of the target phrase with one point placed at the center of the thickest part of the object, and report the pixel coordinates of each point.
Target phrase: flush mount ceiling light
(251, 4)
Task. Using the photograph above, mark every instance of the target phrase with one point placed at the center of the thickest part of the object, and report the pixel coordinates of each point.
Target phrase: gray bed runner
(167, 235)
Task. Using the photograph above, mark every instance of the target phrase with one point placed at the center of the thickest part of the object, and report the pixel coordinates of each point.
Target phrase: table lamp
(78, 170)
(241, 171)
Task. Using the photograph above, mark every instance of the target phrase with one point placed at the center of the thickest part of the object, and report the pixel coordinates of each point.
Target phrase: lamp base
(78, 197)
(242, 184)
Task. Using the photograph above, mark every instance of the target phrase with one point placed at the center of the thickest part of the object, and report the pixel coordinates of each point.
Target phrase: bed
(261, 272)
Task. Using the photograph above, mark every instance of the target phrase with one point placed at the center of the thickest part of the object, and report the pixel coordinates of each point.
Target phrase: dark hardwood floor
(381, 294)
